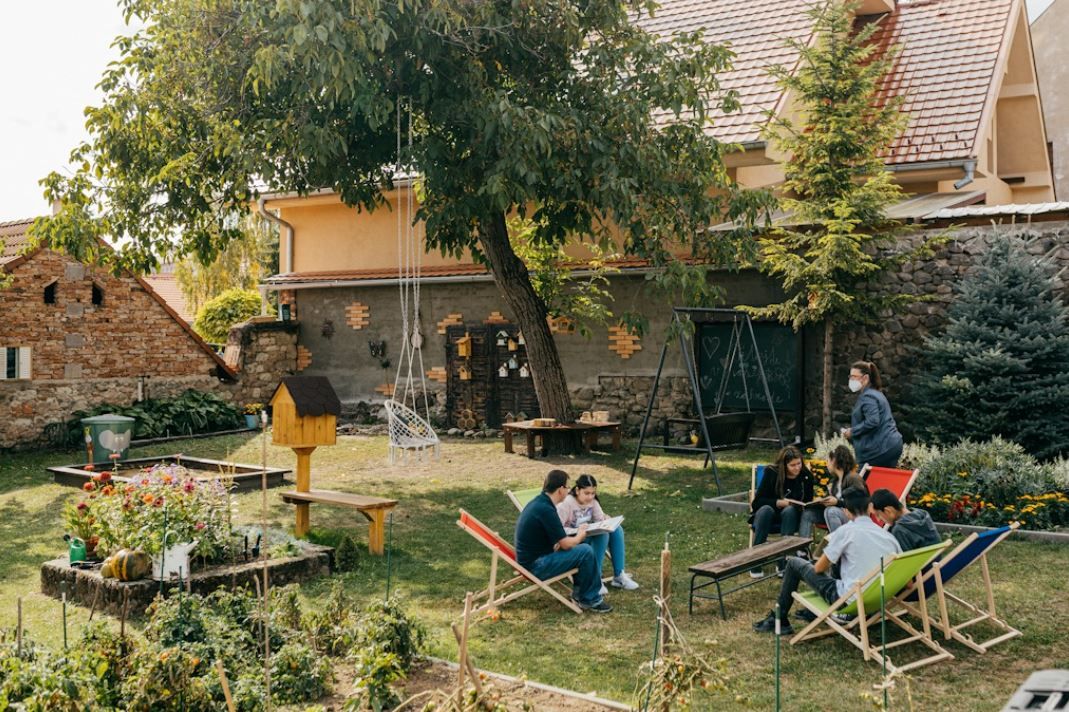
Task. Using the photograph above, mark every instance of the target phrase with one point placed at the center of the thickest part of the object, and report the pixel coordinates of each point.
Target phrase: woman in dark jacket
(788, 479)
(876, 439)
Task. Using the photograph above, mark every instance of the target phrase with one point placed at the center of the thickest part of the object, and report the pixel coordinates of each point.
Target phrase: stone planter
(88, 589)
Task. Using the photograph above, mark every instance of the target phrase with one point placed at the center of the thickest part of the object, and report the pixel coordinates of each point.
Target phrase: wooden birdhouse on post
(305, 410)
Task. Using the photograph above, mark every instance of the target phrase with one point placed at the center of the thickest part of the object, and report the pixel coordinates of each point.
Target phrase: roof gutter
(392, 281)
(969, 177)
(967, 165)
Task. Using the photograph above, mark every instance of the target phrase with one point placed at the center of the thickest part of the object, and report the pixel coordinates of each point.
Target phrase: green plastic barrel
(108, 433)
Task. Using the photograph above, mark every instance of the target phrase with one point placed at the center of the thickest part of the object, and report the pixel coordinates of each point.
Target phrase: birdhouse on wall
(464, 346)
(305, 411)
(502, 336)
(512, 345)
(503, 372)
(465, 373)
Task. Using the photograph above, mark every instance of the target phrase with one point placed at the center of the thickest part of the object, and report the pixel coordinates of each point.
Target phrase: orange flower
(89, 486)
(147, 498)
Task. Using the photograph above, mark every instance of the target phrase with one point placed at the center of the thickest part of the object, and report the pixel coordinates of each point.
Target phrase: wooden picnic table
(738, 563)
(586, 433)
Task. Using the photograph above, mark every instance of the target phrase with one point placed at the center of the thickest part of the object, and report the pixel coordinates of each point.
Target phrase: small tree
(250, 257)
(838, 188)
(1001, 367)
(233, 306)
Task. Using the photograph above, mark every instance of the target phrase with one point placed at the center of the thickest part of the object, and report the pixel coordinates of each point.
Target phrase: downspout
(282, 224)
(970, 175)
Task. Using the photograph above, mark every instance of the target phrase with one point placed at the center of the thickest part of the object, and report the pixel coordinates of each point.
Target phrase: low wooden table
(586, 434)
(373, 508)
(739, 563)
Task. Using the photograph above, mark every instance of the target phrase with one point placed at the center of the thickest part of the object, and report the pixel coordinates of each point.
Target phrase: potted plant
(252, 415)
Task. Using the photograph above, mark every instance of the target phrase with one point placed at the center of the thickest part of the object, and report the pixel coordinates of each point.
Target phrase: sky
(52, 55)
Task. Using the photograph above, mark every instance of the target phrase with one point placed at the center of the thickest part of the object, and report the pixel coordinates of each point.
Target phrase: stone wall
(261, 351)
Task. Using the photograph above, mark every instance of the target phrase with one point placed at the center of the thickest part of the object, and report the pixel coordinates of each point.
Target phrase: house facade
(1052, 66)
(975, 137)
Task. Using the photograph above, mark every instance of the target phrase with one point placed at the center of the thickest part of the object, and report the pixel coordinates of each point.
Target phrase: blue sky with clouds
(52, 55)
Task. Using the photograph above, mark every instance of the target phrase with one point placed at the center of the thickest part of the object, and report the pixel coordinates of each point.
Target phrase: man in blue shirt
(546, 550)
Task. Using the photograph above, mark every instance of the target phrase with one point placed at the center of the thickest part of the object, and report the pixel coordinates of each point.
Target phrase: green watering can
(75, 548)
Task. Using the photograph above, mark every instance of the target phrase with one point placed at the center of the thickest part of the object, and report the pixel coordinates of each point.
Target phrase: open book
(818, 502)
(606, 525)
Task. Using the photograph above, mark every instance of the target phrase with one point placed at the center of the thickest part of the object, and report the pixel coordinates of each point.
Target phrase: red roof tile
(166, 286)
(949, 50)
(13, 239)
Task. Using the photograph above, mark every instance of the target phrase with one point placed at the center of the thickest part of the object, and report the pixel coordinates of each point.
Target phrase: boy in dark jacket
(913, 528)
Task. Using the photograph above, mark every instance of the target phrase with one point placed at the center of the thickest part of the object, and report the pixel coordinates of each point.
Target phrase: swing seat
(727, 431)
(409, 433)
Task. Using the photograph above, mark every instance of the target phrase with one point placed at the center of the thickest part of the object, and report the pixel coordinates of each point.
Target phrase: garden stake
(263, 556)
(18, 627)
(883, 633)
(666, 591)
(471, 666)
(777, 657)
(463, 651)
(63, 588)
(226, 686)
(653, 662)
(93, 608)
(125, 610)
(163, 550)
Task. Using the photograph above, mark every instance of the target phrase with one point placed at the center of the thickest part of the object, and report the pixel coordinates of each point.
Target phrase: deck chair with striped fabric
(932, 584)
(889, 478)
(497, 594)
(863, 600)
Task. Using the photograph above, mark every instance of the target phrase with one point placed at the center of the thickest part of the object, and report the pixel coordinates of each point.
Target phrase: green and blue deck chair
(863, 600)
(932, 583)
(521, 498)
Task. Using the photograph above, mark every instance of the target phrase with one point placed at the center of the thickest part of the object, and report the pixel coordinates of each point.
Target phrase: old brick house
(73, 336)
(975, 138)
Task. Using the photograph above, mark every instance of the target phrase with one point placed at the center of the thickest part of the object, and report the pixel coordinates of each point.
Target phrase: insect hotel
(305, 411)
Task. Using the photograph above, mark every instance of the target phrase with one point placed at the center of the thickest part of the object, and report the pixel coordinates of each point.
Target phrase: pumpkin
(126, 565)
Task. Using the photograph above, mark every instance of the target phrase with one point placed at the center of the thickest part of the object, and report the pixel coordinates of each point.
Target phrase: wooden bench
(740, 562)
(374, 508)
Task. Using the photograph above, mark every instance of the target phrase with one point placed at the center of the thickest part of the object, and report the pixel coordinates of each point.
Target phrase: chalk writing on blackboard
(778, 347)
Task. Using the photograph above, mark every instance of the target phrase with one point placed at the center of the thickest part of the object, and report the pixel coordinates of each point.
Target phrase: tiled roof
(166, 286)
(13, 239)
(949, 50)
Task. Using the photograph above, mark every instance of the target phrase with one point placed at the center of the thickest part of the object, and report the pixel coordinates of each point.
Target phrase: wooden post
(304, 484)
(226, 685)
(666, 592)
(18, 627)
(264, 544)
(463, 652)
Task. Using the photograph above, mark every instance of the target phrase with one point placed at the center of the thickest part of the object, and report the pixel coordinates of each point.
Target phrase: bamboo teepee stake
(463, 653)
(226, 685)
(18, 628)
(666, 592)
(263, 557)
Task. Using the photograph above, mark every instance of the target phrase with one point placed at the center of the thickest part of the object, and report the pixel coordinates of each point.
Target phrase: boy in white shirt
(857, 547)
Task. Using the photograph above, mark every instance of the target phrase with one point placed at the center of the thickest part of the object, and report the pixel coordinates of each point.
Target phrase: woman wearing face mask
(876, 439)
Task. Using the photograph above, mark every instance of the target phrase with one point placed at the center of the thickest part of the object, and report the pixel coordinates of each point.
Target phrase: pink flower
(189, 486)
(82, 506)
(199, 526)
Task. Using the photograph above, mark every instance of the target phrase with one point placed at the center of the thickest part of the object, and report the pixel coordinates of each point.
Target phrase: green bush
(347, 555)
(233, 306)
(190, 413)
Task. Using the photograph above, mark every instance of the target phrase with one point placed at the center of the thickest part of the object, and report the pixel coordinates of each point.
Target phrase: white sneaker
(756, 573)
(603, 590)
(625, 582)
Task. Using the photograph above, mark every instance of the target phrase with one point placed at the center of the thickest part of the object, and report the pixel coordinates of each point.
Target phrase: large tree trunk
(511, 277)
(825, 417)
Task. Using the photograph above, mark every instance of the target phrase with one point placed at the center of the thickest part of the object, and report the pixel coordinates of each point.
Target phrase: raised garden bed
(244, 477)
(88, 588)
(737, 504)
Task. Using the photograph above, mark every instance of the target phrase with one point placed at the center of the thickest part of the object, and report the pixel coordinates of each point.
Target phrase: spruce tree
(1001, 367)
(837, 187)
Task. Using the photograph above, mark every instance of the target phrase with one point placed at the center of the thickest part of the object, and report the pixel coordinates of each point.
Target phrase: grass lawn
(434, 563)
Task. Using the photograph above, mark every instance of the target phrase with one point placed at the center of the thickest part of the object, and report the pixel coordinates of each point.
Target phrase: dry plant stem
(463, 652)
(226, 685)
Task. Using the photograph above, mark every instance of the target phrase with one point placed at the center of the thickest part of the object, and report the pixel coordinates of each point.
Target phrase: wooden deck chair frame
(931, 583)
(857, 630)
(498, 593)
(520, 499)
(867, 470)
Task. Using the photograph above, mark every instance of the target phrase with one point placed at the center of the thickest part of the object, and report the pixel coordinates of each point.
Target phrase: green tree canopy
(565, 112)
(233, 306)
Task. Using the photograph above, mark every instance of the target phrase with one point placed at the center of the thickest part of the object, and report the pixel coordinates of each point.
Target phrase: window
(50, 292)
(16, 362)
(98, 295)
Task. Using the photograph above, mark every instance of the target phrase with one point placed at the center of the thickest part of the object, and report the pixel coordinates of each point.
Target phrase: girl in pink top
(581, 506)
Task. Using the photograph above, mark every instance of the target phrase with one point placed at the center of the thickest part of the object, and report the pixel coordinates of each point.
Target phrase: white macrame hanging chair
(411, 434)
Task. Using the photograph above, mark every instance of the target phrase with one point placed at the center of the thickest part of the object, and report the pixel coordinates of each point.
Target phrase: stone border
(88, 588)
(736, 504)
(584, 697)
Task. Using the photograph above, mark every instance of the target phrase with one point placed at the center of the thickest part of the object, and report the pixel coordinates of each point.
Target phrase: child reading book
(780, 499)
(582, 506)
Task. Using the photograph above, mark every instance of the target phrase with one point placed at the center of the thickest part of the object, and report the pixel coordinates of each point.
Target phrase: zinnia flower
(89, 486)
(199, 526)
(82, 506)
(147, 498)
